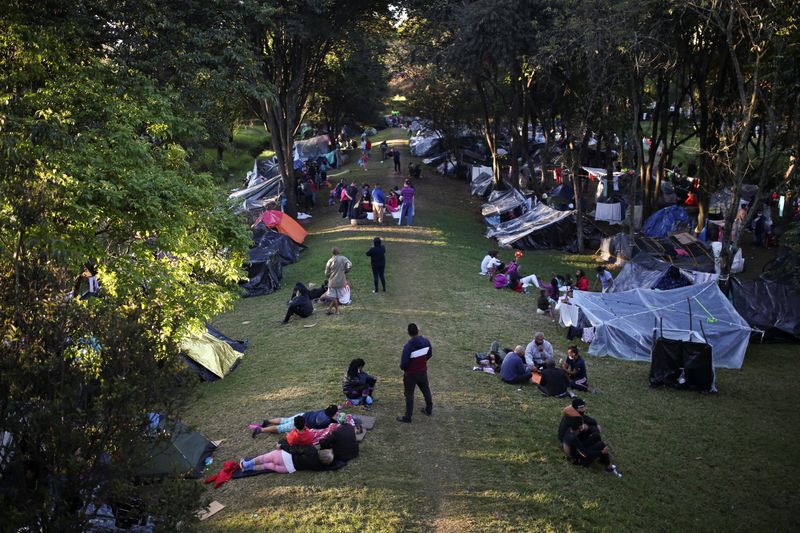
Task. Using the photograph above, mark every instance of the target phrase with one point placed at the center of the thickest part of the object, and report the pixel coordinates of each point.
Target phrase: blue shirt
(317, 419)
(377, 196)
(513, 367)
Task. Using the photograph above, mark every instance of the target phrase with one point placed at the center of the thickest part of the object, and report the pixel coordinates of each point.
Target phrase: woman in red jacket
(581, 281)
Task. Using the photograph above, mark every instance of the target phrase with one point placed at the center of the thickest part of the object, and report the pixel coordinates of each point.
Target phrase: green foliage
(94, 169)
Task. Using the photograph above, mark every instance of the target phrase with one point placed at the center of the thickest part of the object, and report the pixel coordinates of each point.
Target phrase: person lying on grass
(583, 447)
(288, 459)
(313, 419)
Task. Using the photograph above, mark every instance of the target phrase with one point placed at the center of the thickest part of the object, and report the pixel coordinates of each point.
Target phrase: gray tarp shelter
(648, 272)
(625, 322)
(540, 228)
(481, 181)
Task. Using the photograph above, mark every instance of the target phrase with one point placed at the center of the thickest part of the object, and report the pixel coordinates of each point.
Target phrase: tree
(289, 42)
(92, 172)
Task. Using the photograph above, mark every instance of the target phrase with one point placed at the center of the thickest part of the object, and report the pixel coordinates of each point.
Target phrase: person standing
(377, 256)
(407, 211)
(336, 274)
(345, 200)
(352, 194)
(414, 364)
(396, 159)
(378, 201)
(384, 148)
(605, 278)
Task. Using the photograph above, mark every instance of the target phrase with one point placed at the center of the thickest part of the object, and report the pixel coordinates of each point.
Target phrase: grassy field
(488, 459)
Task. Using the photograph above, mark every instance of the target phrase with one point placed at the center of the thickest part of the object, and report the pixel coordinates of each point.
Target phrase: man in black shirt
(343, 442)
(584, 451)
(554, 380)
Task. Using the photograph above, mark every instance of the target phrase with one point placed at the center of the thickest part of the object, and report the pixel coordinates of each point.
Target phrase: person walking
(336, 274)
(407, 211)
(377, 256)
(414, 364)
(378, 201)
(396, 159)
(384, 147)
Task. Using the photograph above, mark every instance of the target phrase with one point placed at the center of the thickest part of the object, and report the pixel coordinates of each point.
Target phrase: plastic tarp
(648, 272)
(625, 322)
(721, 200)
(681, 250)
(284, 224)
(259, 195)
(665, 221)
(312, 148)
(768, 305)
(481, 182)
(175, 448)
(211, 353)
(541, 228)
(287, 250)
(237, 345)
(424, 146)
(502, 201)
(264, 272)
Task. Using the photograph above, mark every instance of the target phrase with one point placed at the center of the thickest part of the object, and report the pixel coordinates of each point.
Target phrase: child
(299, 436)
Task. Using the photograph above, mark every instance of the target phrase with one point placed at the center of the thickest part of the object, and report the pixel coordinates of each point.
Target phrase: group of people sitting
(536, 364)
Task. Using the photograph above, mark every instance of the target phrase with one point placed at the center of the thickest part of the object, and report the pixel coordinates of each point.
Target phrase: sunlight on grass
(282, 394)
(369, 238)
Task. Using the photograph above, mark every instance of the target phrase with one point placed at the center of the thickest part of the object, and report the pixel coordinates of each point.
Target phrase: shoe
(404, 419)
(613, 470)
(425, 411)
(284, 321)
(255, 433)
(374, 291)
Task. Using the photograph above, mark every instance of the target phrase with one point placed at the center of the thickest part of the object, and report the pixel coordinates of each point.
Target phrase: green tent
(214, 357)
(175, 448)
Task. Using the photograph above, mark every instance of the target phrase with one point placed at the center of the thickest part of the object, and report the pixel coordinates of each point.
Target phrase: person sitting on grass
(342, 441)
(314, 419)
(489, 262)
(576, 369)
(543, 304)
(513, 369)
(583, 448)
(300, 304)
(300, 436)
(288, 459)
(554, 381)
(576, 409)
(538, 351)
(357, 385)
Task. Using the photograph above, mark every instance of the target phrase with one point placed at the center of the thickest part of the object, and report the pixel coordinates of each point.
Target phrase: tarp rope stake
(710, 319)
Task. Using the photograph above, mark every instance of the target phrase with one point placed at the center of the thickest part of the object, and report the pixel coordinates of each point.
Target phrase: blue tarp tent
(666, 221)
(626, 323)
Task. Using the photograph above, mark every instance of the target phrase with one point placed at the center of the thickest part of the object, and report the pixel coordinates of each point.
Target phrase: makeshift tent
(624, 322)
(665, 221)
(683, 364)
(237, 345)
(263, 193)
(481, 182)
(648, 272)
(264, 272)
(424, 145)
(284, 224)
(503, 201)
(769, 306)
(288, 251)
(174, 448)
(721, 200)
(312, 148)
(541, 228)
(681, 250)
(211, 358)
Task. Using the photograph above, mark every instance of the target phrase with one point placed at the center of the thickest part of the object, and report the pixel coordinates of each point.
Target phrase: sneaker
(404, 419)
(255, 433)
(613, 470)
(425, 412)
(374, 292)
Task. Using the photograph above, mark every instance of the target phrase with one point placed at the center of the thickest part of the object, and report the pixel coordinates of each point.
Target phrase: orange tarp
(284, 224)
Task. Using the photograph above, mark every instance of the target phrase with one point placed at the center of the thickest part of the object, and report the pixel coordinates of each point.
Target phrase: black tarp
(649, 272)
(682, 364)
(543, 228)
(769, 306)
(288, 250)
(271, 251)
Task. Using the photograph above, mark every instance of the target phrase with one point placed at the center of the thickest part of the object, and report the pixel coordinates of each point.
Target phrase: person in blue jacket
(314, 420)
(414, 363)
(513, 369)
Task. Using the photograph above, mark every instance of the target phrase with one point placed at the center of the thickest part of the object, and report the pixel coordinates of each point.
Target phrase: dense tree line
(722, 72)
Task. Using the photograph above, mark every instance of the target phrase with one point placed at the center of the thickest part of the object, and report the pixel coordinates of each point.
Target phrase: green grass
(488, 459)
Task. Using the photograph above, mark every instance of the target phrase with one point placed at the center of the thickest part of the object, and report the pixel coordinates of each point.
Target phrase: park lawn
(488, 459)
